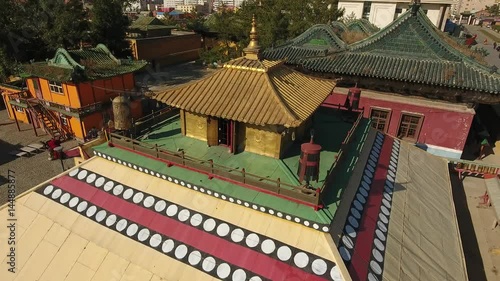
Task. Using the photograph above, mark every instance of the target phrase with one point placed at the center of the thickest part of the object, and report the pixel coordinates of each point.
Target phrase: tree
(494, 10)
(64, 25)
(109, 25)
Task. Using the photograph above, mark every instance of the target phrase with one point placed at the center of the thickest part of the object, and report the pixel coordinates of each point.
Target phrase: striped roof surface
(409, 49)
(106, 221)
(254, 92)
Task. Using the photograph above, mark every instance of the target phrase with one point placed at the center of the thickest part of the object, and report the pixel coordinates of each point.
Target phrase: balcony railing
(294, 193)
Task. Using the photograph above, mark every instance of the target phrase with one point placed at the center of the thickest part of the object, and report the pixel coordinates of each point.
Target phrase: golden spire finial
(253, 48)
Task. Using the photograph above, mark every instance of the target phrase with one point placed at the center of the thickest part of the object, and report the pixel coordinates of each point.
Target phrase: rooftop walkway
(168, 137)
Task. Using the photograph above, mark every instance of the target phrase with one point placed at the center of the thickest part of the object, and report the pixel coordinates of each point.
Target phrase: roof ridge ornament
(415, 6)
(253, 49)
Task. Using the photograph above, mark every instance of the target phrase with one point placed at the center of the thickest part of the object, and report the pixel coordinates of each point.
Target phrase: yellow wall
(262, 140)
(196, 126)
(21, 116)
(76, 127)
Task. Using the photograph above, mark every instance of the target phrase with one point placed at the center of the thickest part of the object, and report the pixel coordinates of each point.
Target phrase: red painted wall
(440, 127)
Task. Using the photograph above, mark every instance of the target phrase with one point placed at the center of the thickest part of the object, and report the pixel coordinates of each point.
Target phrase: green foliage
(277, 20)
(493, 10)
(109, 25)
(480, 51)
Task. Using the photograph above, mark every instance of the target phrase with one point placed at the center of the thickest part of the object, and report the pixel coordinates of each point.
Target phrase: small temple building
(250, 104)
(416, 85)
(71, 93)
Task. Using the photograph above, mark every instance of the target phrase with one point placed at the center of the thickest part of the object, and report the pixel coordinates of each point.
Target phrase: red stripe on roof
(235, 254)
(364, 241)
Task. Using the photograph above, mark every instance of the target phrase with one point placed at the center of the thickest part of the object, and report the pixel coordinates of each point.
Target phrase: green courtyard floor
(331, 130)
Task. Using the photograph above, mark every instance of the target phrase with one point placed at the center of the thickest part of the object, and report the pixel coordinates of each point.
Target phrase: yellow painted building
(71, 93)
(250, 104)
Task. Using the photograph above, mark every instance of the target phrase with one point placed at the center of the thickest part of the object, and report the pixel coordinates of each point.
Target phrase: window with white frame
(18, 108)
(56, 87)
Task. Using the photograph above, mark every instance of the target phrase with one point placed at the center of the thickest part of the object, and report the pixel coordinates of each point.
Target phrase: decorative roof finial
(415, 5)
(253, 48)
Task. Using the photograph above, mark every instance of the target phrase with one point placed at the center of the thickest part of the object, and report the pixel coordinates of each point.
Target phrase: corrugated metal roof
(254, 92)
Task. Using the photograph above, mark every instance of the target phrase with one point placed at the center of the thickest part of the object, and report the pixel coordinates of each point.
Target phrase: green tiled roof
(409, 49)
(148, 23)
(362, 25)
(318, 40)
(81, 65)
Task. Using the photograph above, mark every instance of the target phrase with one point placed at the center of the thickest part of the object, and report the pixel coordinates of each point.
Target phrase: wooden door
(38, 92)
(212, 131)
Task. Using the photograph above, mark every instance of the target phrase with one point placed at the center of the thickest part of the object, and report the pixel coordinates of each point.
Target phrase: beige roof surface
(424, 241)
(254, 92)
(56, 240)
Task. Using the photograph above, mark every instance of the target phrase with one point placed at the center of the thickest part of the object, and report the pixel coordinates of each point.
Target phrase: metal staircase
(50, 123)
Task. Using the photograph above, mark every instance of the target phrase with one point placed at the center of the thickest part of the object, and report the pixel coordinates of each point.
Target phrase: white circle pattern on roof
(143, 234)
(111, 220)
(128, 194)
(56, 193)
(155, 240)
(138, 197)
(82, 174)
(82, 206)
(48, 189)
(73, 172)
(194, 258)
(109, 185)
(301, 259)
(172, 210)
(168, 246)
(239, 275)
(284, 253)
(223, 270)
(91, 178)
(121, 225)
(268, 246)
(132, 229)
(209, 225)
(181, 251)
(73, 202)
(65, 198)
(160, 206)
(91, 211)
(319, 267)
(148, 202)
(117, 190)
(237, 235)
(100, 215)
(223, 229)
(208, 264)
(184, 215)
(196, 220)
(252, 240)
(100, 181)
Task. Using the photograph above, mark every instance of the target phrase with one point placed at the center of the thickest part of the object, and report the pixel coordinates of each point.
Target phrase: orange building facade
(71, 93)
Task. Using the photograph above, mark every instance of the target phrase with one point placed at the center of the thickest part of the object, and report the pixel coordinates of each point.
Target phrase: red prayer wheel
(309, 162)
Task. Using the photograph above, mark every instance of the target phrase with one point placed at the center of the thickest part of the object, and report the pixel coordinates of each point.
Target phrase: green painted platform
(331, 129)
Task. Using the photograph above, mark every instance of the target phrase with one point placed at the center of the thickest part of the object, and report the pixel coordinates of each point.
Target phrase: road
(493, 57)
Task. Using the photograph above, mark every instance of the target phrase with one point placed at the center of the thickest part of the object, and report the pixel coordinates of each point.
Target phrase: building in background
(70, 94)
(382, 13)
(472, 6)
(155, 42)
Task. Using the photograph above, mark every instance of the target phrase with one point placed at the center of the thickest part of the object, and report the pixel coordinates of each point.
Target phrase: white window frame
(56, 87)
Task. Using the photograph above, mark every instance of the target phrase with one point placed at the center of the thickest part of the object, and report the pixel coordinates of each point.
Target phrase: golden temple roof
(254, 92)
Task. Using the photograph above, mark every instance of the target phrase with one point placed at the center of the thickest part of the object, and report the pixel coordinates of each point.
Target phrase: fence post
(182, 155)
(156, 149)
(243, 173)
(278, 185)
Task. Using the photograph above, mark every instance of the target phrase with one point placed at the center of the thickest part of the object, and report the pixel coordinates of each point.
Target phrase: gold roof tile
(252, 91)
